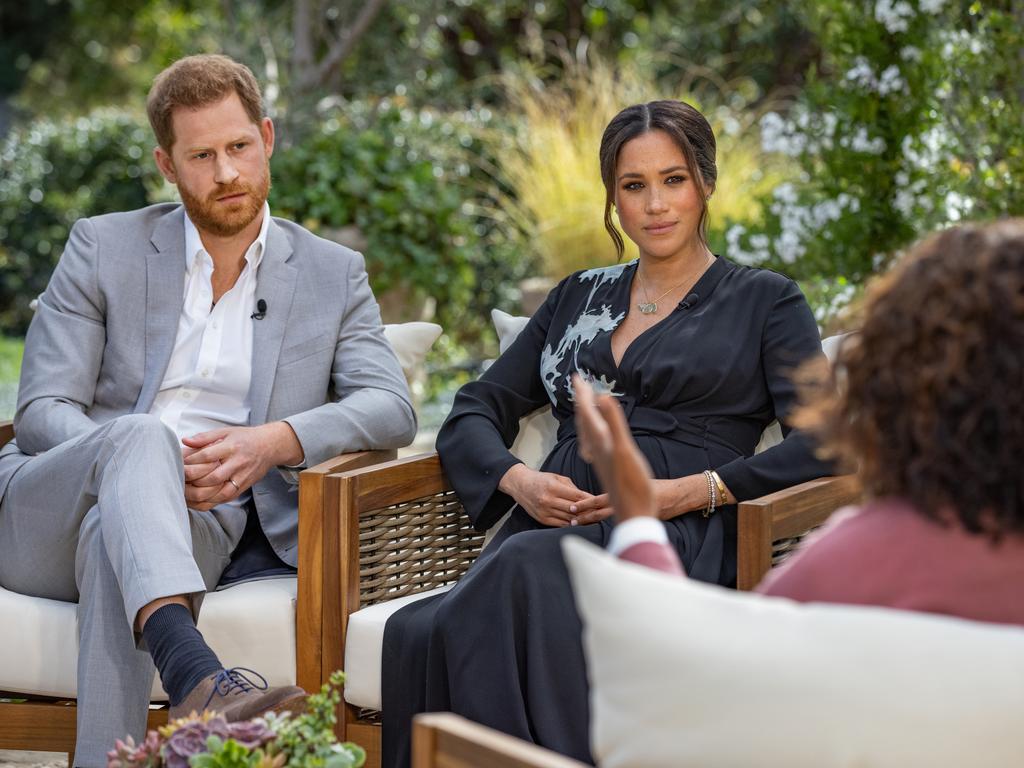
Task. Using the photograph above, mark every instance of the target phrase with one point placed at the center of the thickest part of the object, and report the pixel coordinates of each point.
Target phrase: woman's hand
(608, 445)
(548, 498)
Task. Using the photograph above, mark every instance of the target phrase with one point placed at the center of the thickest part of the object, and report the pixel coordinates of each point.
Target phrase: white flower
(829, 123)
(861, 73)
(957, 206)
(891, 81)
(893, 15)
(785, 193)
(904, 202)
(910, 53)
(778, 135)
(931, 6)
(861, 142)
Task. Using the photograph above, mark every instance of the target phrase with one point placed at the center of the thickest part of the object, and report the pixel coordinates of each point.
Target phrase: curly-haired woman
(929, 409)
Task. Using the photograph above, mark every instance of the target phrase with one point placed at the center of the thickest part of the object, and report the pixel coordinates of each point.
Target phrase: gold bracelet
(721, 487)
(710, 508)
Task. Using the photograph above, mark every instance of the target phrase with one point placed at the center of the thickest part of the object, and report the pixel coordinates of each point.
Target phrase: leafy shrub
(53, 172)
(405, 179)
(913, 122)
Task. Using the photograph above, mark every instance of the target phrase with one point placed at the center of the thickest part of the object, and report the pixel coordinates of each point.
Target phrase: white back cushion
(538, 430)
(688, 674)
(411, 342)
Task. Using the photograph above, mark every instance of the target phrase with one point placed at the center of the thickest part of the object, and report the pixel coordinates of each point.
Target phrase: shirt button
(216, 325)
(206, 373)
(186, 394)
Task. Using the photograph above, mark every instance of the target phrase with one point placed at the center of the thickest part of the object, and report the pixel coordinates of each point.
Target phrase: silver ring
(237, 488)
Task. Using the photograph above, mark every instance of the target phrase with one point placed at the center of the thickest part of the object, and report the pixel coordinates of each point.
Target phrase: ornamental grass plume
(553, 171)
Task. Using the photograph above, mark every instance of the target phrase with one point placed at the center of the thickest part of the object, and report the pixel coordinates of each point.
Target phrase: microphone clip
(261, 310)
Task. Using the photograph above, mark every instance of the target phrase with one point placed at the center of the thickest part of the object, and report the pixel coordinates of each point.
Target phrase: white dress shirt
(206, 385)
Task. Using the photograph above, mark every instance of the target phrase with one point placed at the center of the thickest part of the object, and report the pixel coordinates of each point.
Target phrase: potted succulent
(273, 741)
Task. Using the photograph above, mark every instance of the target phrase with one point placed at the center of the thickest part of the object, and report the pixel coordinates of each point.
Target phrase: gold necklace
(651, 307)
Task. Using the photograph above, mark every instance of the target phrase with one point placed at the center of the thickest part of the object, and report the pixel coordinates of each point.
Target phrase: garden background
(455, 142)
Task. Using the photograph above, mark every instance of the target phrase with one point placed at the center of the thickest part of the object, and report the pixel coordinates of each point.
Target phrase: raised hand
(606, 442)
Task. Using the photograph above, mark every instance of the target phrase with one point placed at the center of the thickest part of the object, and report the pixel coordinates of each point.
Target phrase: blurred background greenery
(455, 142)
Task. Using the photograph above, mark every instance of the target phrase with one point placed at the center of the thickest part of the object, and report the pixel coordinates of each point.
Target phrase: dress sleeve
(790, 338)
(474, 440)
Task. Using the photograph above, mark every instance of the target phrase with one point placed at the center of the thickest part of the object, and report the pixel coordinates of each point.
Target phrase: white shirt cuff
(636, 530)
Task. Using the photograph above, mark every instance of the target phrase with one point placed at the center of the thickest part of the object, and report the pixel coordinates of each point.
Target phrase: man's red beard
(226, 220)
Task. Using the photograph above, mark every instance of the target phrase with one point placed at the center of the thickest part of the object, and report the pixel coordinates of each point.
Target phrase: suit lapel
(165, 293)
(275, 284)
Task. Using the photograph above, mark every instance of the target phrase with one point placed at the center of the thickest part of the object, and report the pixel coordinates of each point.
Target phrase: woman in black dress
(699, 352)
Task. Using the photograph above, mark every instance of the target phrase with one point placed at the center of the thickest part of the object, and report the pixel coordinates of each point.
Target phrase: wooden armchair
(444, 740)
(48, 724)
(401, 531)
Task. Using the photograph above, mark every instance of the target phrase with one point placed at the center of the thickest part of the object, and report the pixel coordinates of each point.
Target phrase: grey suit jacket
(104, 331)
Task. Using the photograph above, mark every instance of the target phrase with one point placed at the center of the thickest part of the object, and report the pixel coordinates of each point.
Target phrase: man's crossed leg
(101, 519)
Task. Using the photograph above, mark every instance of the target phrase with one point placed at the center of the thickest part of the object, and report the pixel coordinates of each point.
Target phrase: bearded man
(181, 358)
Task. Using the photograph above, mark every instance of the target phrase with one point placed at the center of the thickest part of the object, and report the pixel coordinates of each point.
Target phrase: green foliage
(10, 367)
(10, 359)
(309, 740)
(914, 121)
(103, 51)
(227, 753)
(53, 172)
(405, 180)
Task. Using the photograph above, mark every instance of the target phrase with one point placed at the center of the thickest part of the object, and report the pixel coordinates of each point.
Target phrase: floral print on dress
(588, 325)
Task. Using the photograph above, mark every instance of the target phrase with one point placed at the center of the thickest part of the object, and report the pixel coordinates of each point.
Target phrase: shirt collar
(253, 254)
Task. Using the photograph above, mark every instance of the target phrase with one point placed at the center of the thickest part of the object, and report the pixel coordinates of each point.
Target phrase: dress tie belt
(729, 433)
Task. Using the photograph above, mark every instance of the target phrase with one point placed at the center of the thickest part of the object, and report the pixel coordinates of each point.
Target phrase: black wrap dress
(503, 647)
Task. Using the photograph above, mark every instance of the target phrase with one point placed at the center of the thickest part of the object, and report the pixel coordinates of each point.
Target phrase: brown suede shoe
(237, 697)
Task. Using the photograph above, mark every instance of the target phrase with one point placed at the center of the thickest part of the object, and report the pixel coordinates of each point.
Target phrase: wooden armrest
(6, 432)
(444, 740)
(785, 514)
(314, 578)
(399, 530)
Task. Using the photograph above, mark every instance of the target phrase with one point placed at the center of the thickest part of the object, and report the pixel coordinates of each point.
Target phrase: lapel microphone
(261, 310)
(690, 301)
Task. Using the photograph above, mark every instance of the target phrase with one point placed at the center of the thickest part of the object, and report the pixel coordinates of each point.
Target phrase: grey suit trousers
(101, 519)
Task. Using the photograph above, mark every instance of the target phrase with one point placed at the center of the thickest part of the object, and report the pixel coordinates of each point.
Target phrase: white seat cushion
(248, 625)
(364, 648)
(684, 673)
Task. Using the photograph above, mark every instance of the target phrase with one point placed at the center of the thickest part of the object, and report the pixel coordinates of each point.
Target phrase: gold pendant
(649, 308)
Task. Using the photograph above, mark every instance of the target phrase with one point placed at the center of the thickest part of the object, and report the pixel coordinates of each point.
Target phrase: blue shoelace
(228, 680)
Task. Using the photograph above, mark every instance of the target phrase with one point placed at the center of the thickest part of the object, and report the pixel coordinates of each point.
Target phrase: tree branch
(342, 48)
(302, 35)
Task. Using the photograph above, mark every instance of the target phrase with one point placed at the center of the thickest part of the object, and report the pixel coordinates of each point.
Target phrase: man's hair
(929, 403)
(198, 81)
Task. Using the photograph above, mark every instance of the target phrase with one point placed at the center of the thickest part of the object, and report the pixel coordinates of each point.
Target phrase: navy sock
(181, 655)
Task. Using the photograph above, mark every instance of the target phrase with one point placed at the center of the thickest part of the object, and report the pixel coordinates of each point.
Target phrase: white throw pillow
(538, 430)
(411, 342)
(688, 674)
